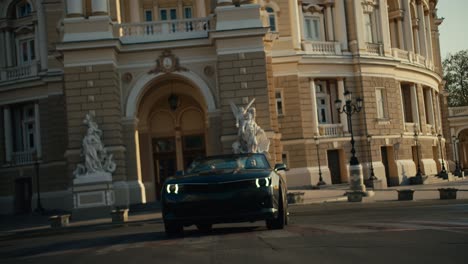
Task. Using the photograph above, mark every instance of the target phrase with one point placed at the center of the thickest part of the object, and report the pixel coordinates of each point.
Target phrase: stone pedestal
(93, 196)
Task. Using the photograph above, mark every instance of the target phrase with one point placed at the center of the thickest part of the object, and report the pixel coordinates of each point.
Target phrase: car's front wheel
(173, 228)
(280, 220)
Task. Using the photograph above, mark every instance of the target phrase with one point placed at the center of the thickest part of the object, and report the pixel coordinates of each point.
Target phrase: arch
(460, 129)
(140, 86)
(10, 5)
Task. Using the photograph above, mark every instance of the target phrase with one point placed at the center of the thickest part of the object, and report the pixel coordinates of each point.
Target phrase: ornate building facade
(160, 75)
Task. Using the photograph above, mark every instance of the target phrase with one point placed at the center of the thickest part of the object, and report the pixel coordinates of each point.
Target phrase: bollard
(405, 195)
(448, 193)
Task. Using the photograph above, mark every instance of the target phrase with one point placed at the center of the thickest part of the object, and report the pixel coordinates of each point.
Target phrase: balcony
(22, 157)
(164, 30)
(374, 48)
(19, 72)
(322, 47)
(331, 130)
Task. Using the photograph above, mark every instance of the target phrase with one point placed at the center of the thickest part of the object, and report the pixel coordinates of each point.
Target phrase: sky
(454, 29)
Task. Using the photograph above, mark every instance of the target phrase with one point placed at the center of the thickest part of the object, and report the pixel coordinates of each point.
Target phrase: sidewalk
(38, 224)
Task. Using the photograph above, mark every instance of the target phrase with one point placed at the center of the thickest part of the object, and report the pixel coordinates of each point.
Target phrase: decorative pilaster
(329, 19)
(429, 38)
(415, 104)
(343, 120)
(201, 8)
(401, 38)
(8, 49)
(408, 27)
(135, 11)
(384, 27)
(422, 29)
(340, 24)
(313, 99)
(42, 36)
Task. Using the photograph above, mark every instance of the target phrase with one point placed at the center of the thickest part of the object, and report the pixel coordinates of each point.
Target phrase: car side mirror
(179, 173)
(280, 166)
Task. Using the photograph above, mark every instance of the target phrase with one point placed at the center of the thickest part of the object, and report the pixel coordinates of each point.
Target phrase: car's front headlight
(263, 182)
(172, 188)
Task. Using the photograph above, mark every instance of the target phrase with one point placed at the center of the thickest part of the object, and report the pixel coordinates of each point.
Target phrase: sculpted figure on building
(250, 136)
(96, 158)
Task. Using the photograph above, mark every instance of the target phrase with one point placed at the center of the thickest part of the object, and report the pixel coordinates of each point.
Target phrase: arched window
(23, 9)
(272, 19)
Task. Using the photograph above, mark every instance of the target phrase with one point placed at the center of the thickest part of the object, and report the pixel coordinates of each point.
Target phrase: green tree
(456, 76)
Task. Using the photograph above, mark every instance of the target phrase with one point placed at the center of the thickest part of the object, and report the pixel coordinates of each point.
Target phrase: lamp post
(443, 172)
(39, 208)
(418, 175)
(355, 169)
(317, 143)
(458, 171)
(372, 175)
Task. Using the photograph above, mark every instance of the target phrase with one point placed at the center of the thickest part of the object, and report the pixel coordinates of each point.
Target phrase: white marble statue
(96, 159)
(250, 137)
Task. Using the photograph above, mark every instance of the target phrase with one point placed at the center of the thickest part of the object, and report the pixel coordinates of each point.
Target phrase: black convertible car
(225, 189)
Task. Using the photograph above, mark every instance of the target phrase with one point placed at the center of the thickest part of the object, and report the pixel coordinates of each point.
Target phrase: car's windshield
(250, 162)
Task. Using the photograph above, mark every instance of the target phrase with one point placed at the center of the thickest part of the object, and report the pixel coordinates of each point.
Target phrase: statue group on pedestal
(96, 159)
(250, 136)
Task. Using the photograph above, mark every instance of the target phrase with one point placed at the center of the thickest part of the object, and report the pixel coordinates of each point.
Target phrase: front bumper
(223, 207)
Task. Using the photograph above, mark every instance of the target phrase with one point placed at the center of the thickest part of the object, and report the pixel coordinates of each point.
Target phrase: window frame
(21, 4)
(381, 108)
(318, 17)
(280, 101)
(30, 48)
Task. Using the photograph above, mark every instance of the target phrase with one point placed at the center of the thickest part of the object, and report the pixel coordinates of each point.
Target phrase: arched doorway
(172, 117)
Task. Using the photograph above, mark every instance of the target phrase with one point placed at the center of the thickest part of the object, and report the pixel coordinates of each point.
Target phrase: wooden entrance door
(334, 166)
(165, 161)
(23, 193)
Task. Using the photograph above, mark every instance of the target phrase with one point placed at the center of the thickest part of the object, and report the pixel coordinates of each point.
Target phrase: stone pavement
(35, 224)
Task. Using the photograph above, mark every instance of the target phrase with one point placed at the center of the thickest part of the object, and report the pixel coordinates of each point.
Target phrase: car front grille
(218, 187)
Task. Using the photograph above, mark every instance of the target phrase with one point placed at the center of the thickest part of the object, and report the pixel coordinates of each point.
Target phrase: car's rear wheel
(280, 220)
(173, 228)
(204, 227)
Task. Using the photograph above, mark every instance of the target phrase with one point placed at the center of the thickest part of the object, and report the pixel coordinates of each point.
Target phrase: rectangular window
(279, 102)
(406, 100)
(27, 51)
(23, 128)
(148, 15)
(188, 15)
(312, 28)
(368, 27)
(380, 100)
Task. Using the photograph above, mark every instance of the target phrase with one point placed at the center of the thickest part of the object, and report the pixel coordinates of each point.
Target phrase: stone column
(201, 9)
(37, 121)
(340, 24)
(329, 19)
(417, 44)
(180, 9)
(135, 11)
(343, 119)
(401, 38)
(313, 99)
(384, 27)
(415, 105)
(408, 26)
(430, 108)
(393, 34)
(42, 36)
(74, 8)
(9, 59)
(422, 30)
(100, 7)
(8, 134)
(136, 188)
(2, 50)
(359, 24)
(294, 20)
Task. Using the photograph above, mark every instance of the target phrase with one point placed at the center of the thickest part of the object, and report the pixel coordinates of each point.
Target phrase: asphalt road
(395, 232)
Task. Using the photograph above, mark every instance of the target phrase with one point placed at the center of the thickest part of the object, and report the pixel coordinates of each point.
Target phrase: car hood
(212, 177)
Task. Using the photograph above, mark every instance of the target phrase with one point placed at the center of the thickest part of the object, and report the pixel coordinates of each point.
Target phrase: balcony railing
(401, 54)
(22, 157)
(163, 30)
(374, 48)
(19, 72)
(322, 47)
(331, 130)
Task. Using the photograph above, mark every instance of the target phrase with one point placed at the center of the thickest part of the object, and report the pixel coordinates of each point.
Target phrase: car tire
(173, 229)
(280, 221)
(205, 228)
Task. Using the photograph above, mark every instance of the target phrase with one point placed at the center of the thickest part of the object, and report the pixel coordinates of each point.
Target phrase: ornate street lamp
(418, 176)
(443, 172)
(317, 143)
(372, 175)
(458, 171)
(355, 168)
